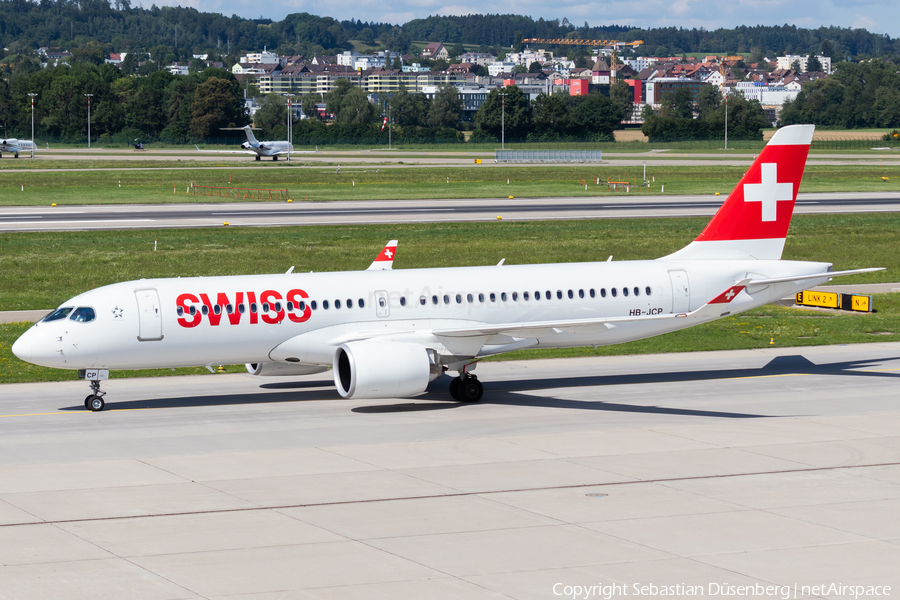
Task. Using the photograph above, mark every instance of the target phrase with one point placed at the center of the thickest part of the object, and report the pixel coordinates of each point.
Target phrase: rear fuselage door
(382, 306)
(681, 292)
(150, 315)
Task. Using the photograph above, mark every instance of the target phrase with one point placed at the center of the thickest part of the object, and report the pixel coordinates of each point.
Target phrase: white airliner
(259, 149)
(15, 146)
(387, 333)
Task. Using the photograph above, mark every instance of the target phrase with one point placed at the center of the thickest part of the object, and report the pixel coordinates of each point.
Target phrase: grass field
(43, 269)
(370, 183)
(40, 270)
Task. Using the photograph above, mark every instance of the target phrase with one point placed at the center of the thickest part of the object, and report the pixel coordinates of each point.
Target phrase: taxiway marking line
(458, 494)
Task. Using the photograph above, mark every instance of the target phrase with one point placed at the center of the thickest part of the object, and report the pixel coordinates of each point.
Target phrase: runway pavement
(777, 467)
(138, 216)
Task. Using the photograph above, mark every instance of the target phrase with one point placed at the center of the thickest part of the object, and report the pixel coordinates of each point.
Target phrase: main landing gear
(258, 157)
(466, 388)
(94, 402)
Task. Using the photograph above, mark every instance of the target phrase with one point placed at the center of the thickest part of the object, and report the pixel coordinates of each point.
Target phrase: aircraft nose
(22, 347)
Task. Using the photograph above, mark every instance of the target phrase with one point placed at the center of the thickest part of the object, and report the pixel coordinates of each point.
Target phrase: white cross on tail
(769, 192)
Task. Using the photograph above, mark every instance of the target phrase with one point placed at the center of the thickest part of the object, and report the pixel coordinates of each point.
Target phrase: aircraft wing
(251, 152)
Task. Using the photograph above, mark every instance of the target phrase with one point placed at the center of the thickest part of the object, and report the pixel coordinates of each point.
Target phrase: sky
(878, 16)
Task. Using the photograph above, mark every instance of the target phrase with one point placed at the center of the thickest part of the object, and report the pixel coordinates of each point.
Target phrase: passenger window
(603, 292)
(470, 298)
(325, 304)
(193, 310)
(625, 291)
(278, 307)
(422, 300)
(301, 306)
(503, 296)
(525, 296)
(647, 290)
(637, 291)
(362, 303)
(59, 313)
(515, 296)
(581, 293)
(402, 300)
(434, 299)
(205, 309)
(493, 297)
(548, 295)
(241, 307)
(537, 295)
(571, 295)
(613, 292)
(349, 303)
(83, 314)
(252, 307)
(446, 299)
(592, 293)
(217, 309)
(229, 308)
(559, 294)
(337, 304)
(459, 298)
(180, 311)
(381, 303)
(481, 297)
(314, 305)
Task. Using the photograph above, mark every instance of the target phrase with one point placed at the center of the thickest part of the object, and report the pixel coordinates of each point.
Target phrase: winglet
(385, 259)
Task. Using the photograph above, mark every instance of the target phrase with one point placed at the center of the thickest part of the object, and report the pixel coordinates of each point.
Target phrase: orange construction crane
(570, 42)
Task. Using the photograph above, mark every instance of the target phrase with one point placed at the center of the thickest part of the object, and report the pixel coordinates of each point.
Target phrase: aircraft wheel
(17, 155)
(454, 388)
(87, 402)
(96, 403)
(257, 157)
(275, 158)
(470, 390)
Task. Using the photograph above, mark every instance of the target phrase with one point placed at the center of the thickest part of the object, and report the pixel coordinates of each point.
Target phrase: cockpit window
(59, 313)
(83, 314)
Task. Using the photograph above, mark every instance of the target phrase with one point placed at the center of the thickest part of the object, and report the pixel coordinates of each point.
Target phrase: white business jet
(387, 332)
(259, 149)
(14, 146)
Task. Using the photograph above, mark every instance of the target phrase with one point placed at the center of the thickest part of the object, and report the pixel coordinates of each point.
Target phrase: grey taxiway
(627, 205)
(770, 467)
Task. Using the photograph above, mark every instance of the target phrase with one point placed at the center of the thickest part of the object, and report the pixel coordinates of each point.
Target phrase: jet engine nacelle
(9, 142)
(372, 369)
(274, 369)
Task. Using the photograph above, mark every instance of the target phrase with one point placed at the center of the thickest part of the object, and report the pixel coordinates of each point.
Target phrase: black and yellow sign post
(850, 302)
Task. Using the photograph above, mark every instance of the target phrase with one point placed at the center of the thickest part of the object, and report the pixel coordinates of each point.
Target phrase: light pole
(390, 123)
(726, 121)
(290, 124)
(32, 124)
(89, 118)
(503, 121)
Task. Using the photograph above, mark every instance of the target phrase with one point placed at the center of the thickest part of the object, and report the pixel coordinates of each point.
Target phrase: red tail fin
(754, 220)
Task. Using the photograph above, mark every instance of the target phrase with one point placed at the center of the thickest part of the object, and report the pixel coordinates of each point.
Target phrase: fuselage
(269, 148)
(304, 317)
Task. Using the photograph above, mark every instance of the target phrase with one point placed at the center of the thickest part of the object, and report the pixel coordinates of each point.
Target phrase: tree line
(680, 118)
(865, 94)
(177, 32)
(123, 107)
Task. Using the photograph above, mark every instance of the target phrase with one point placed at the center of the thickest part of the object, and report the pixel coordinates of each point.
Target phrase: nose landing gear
(95, 402)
